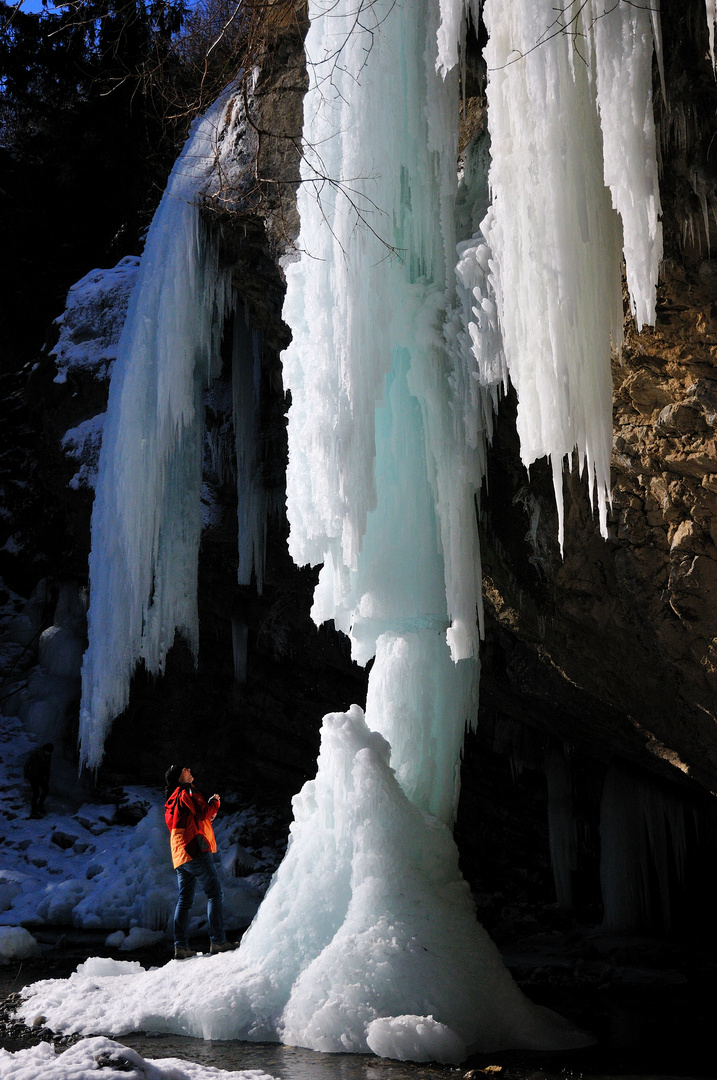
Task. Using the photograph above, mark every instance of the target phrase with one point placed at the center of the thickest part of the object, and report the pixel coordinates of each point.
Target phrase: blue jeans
(200, 869)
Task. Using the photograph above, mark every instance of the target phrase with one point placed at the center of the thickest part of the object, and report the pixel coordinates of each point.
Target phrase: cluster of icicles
(416, 297)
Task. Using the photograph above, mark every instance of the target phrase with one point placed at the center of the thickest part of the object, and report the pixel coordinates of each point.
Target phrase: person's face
(185, 777)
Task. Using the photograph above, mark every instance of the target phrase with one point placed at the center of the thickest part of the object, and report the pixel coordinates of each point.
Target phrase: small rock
(113, 1059)
(680, 418)
(687, 537)
(130, 813)
(38, 1021)
(63, 840)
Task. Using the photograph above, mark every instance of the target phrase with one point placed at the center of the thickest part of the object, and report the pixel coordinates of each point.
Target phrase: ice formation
(411, 305)
(146, 520)
(643, 843)
(573, 113)
(367, 918)
(381, 480)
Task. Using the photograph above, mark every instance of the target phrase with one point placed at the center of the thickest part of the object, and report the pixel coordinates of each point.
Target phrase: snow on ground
(116, 1062)
(77, 867)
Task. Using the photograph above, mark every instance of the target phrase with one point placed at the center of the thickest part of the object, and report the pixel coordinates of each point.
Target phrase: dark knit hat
(171, 779)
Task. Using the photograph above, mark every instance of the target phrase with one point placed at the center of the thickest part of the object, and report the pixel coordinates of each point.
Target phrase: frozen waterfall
(411, 303)
(146, 518)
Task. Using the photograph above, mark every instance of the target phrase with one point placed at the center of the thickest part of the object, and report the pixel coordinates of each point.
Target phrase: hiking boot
(225, 946)
(182, 953)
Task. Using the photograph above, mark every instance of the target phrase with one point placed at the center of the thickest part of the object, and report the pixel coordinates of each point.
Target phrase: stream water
(295, 1063)
(286, 1062)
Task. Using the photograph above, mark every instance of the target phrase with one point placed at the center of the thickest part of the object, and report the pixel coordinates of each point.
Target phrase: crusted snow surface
(111, 1060)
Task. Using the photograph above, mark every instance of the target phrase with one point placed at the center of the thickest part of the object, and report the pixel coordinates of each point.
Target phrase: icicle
(251, 496)
(146, 520)
(554, 242)
(642, 832)
(623, 46)
(562, 830)
(711, 12)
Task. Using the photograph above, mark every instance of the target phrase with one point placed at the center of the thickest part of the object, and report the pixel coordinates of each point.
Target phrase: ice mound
(140, 937)
(112, 1060)
(415, 1038)
(16, 943)
(367, 919)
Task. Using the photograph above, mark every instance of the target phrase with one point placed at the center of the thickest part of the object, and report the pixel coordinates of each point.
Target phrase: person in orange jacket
(193, 845)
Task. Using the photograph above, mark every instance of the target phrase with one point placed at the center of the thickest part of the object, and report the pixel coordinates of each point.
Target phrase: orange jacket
(189, 820)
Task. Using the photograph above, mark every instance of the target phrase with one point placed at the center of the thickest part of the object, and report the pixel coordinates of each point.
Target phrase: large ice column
(146, 518)
(381, 481)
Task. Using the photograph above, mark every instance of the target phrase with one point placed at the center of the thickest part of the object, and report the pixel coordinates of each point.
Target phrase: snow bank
(112, 1061)
(82, 444)
(104, 966)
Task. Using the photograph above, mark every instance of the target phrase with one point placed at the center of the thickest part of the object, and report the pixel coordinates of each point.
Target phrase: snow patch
(111, 1060)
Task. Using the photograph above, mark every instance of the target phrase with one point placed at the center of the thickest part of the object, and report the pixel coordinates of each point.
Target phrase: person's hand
(215, 797)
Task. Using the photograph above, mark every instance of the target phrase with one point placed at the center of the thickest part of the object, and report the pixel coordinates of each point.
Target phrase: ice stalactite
(146, 518)
(711, 12)
(572, 122)
(643, 837)
(251, 496)
(562, 826)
